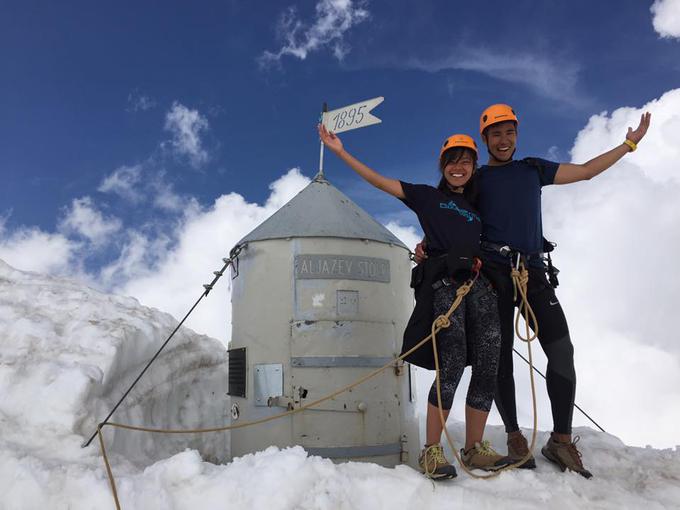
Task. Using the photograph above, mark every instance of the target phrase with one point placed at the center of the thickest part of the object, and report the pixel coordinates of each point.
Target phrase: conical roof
(321, 210)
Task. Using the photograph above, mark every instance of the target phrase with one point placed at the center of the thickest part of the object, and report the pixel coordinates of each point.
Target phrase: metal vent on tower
(237, 372)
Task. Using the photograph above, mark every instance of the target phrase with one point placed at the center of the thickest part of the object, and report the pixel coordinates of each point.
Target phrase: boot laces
(573, 451)
(436, 453)
(484, 448)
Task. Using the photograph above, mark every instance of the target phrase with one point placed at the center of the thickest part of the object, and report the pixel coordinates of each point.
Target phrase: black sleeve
(546, 169)
(415, 195)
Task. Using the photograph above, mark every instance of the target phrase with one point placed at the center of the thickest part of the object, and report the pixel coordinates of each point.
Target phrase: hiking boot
(565, 455)
(434, 465)
(518, 449)
(482, 456)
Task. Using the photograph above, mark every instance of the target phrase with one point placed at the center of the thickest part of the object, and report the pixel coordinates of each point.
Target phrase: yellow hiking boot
(434, 465)
(482, 456)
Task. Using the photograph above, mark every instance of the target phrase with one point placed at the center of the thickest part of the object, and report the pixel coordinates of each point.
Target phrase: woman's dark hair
(470, 190)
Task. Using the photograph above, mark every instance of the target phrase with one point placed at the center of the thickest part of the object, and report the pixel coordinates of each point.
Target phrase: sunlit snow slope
(68, 352)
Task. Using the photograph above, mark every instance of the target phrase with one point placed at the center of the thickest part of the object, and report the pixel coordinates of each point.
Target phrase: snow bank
(67, 353)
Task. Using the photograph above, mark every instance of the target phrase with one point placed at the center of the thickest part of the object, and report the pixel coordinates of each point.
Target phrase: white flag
(353, 116)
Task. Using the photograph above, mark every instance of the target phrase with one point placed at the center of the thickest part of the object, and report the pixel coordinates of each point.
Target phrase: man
(510, 206)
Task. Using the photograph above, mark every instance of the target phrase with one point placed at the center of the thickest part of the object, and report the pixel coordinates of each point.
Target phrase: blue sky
(71, 74)
(140, 141)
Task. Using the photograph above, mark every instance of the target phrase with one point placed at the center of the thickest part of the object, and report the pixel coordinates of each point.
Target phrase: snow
(68, 352)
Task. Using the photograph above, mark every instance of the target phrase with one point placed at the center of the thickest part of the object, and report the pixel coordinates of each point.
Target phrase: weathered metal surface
(321, 210)
(267, 382)
(339, 361)
(281, 317)
(341, 267)
(347, 303)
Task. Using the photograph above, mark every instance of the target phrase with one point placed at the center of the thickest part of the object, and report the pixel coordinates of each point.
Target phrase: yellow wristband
(630, 144)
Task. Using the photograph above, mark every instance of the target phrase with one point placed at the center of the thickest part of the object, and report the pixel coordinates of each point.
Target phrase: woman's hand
(329, 139)
(639, 133)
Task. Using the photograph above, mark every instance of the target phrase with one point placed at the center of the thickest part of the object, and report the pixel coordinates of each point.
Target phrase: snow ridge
(68, 352)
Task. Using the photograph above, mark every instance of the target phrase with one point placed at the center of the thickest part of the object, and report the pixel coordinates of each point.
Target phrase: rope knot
(464, 289)
(442, 322)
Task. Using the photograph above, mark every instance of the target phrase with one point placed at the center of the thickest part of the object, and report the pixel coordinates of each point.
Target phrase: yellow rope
(460, 294)
(438, 324)
(520, 279)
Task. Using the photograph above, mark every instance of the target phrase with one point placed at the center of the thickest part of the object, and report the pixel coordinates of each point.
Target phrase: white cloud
(406, 234)
(666, 17)
(166, 198)
(84, 219)
(137, 258)
(550, 77)
(170, 277)
(164, 263)
(32, 249)
(285, 188)
(127, 183)
(333, 19)
(618, 241)
(186, 126)
(124, 182)
(658, 151)
(553, 153)
(139, 102)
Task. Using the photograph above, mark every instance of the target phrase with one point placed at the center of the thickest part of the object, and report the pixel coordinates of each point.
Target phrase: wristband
(631, 144)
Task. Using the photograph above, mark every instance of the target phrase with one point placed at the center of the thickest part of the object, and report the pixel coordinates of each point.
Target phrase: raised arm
(391, 186)
(569, 172)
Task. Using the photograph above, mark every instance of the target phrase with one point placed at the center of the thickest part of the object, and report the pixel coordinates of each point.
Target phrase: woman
(453, 228)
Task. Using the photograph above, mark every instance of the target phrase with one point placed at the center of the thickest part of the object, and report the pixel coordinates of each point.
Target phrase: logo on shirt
(451, 205)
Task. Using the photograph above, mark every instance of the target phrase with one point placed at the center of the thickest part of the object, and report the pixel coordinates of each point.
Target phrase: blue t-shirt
(510, 202)
(448, 220)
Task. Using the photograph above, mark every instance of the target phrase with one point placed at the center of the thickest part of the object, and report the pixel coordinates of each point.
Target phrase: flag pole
(320, 175)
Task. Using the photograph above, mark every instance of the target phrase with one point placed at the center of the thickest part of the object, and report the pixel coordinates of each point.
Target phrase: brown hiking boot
(434, 465)
(482, 456)
(518, 449)
(565, 455)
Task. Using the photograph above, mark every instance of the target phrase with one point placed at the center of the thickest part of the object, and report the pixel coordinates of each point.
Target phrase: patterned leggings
(475, 327)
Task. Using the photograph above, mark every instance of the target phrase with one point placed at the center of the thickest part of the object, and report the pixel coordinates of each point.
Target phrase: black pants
(474, 336)
(553, 335)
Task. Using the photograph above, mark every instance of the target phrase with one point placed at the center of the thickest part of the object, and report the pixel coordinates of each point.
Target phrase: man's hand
(639, 133)
(420, 254)
(570, 172)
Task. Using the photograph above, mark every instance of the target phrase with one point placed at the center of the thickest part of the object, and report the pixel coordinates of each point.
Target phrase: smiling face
(500, 140)
(457, 166)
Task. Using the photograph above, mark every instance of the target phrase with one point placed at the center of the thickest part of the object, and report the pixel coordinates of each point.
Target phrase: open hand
(420, 254)
(329, 139)
(639, 133)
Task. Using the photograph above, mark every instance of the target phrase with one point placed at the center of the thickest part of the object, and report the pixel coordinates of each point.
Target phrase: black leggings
(474, 335)
(553, 334)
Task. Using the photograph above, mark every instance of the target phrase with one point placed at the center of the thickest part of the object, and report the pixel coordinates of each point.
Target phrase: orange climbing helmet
(458, 141)
(494, 114)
